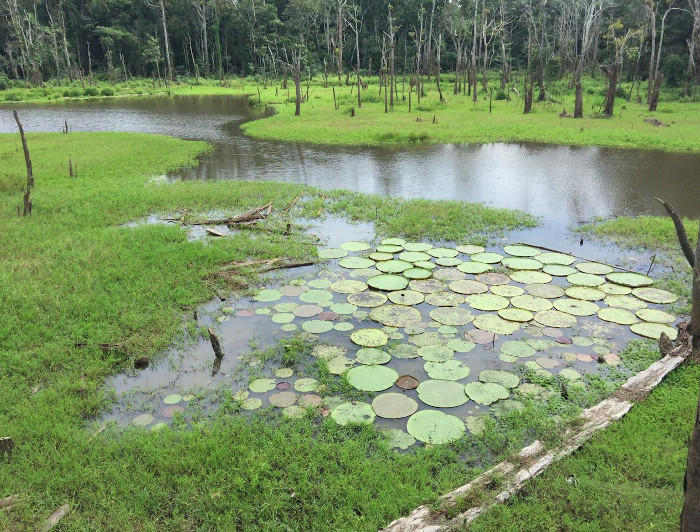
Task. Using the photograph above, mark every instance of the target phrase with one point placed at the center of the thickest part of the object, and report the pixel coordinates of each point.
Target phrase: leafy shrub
(674, 69)
(4, 82)
(91, 91)
(13, 96)
(500, 94)
(108, 91)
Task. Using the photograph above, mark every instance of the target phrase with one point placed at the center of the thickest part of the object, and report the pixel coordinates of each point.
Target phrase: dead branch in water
(215, 344)
(287, 265)
(291, 205)
(259, 213)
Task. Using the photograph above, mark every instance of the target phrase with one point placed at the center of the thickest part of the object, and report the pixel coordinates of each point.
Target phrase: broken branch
(55, 518)
(215, 344)
(680, 231)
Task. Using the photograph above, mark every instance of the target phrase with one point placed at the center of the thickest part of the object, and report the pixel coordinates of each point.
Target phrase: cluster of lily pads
(435, 311)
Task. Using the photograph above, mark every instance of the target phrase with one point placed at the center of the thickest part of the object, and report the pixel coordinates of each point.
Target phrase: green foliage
(107, 91)
(674, 69)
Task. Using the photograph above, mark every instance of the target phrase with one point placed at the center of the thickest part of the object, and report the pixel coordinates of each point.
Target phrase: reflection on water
(563, 184)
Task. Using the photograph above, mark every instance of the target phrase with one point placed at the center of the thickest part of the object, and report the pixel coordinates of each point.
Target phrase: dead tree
(30, 174)
(690, 517)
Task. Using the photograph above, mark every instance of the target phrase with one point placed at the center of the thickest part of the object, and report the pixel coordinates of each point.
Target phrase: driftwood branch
(259, 213)
(55, 518)
(680, 231)
(215, 344)
(9, 501)
(286, 265)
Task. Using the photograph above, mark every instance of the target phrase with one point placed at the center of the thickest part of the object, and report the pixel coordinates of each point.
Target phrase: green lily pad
(343, 308)
(387, 282)
(286, 307)
(370, 356)
(444, 299)
(531, 303)
(497, 376)
(655, 295)
(356, 263)
(263, 311)
(316, 296)
(654, 330)
(617, 315)
(425, 264)
(547, 291)
(143, 420)
(398, 439)
(355, 246)
(284, 373)
(470, 249)
(268, 295)
(555, 258)
(405, 351)
(252, 403)
(474, 267)
(507, 290)
(380, 256)
(343, 326)
(449, 274)
(442, 252)
(319, 283)
(450, 370)
(441, 394)
(306, 385)
(427, 286)
(521, 251)
(389, 248)
(518, 263)
(576, 307)
(406, 297)
(487, 302)
(394, 266)
(570, 374)
(327, 352)
(486, 393)
(615, 289)
(394, 405)
(435, 427)
(436, 353)
(595, 268)
(558, 270)
(283, 317)
(417, 246)
(487, 257)
(626, 302)
(367, 299)
(518, 349)
(493, 279)
(293, 290)
(317, 326)
(172, 399)
(354, 412)
(261, 385)
(468, 287)
(371, 378)
(413, 256)
(495, 324)
(585, 293)
(516, 314)
(633, 280)
(585, 279)
(530, 277)
(369, 337)
(455, 316)
(460, 346)
(417, 273)
(348, 286)
(547, 363)
(283, 399)
(395, 315)
(448, 261)
(339, 365)
(555, 318)
(655, 315)
(427, 338)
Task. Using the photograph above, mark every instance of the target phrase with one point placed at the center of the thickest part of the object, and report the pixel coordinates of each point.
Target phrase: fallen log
(287, 265)
(214, 232)
(259, 213)
(233, 265)
(9, 501)
(55, 518)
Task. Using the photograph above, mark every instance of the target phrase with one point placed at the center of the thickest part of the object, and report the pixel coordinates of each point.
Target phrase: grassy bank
(73, 277)
(455, 120)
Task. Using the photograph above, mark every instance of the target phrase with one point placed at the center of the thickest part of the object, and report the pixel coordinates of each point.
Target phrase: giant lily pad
(655, 315)
(283, 399)
(317, 326)
(371, 356)
(449, 274)
(394, 266)
(354, 412)
(518, 263)
(435, 427)
(474, 267)
(585, 279)
(470, 249)
(417, 273)
(487, 257)
(516, 314)
(261, 385)
(594, 267)
(395, 315)
(413, 256)
(617, 315)
(367, 299)
(493, 278)
(626, 302)
(356, 263)
(394, 405)
(427, 338)
(372, 378)
(655, 295)
(531, 303)
(570, 374)
(436, 353)
(404, 351)
(283, 317)
(468, 287)
(486, 393)
(441, 394)
(460, 346)
(555, 258)
(398, 439)
(577, 307)
(548, 291)
(355, 246)
(428, 286)
(417, 246)
(332, 253)
(654, 330)
(306, 385)
(387, 282)
(348, 286)
(521, 250)
(369, 337)
(268, 295)
(495, 324)
(343, 308)
(497, 376)
(319, 283)
(633, 280)
(487, 302)
(293, 290)
(307, 311)
(316, 296)
(442, 252)
(448, 261)
(558, 270)
(143, 420)
(450, 370)
(339, 365)
(389, 248)
(530, 277)
(507, 290)
(394, 241)
(615, 289)
(444, 299)
(379, 256)
(455, 316)
(517, 348)
(555, 318)
(585, 293)
(406, 297)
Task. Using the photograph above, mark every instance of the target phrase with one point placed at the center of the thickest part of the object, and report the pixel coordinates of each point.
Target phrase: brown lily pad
(478, 336)
(492, 278)
(283, 385)
(307, 311)
(407, 382)
(328, 316)
(245, 313)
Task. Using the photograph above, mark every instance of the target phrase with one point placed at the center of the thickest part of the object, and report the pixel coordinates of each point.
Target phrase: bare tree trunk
(297, 85)
(168, 59)
(30, 174)
(611, 74)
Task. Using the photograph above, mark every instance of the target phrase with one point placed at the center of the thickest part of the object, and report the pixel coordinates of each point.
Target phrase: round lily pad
(293, 290)
(317, 326)
(413, 256)
(307, 311)
(486, 393)
(427, 338)
(519, 263)
(441, 394)
(404, 351)
(555, 258)
(319, 283)
(143, 420)
(316, 296)
(343, 308)
(617, 315)
(654, 330)
(371, 378)
(615, 289)
(481, 337)
(497, 376)
(394, 405)
(585, 293)
(417, 273)
(455, 316)
(626, 302)
(354, 412)
(547, 363)
(655, 315)
(448, 261)
(435, 427)
(427, 286)
(173, 399)
(521, 251)
(530, 277)
(348, 286)
(398, 439)
(283, 399)
(442, 252)
(531, 303)
(371, 356)
(569, 374)
(367, 299)
(585, 279)
(261, 385)
(268, 295)
(517, 348)
(339, 365)
(450, 370)
(516, 314)
(468, 287)
(387, 282)
(389, 248)
(306, 385)
(380, 256)
(655, 295)
(407, 382)
(284, 373)
(577, 307)
(355, 246)
(285, 307)
(252, 403)
(558, 270)
(555, 318)
(474, 267)
(369, 337)
(425, 264)
(487, 302)
(487, 257)
(283, 317)
(495, 324)
(470, 249)
(595, 268)
(444, 299)
(449, 274)
(436, 353)
(406, 297)
(417, 246)
(548, 291)
(310, 400)
(356, 263)
(633, 280)
(395, 315)
(492, 278)
(507, 290)
(394, 266)
(343, 326)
